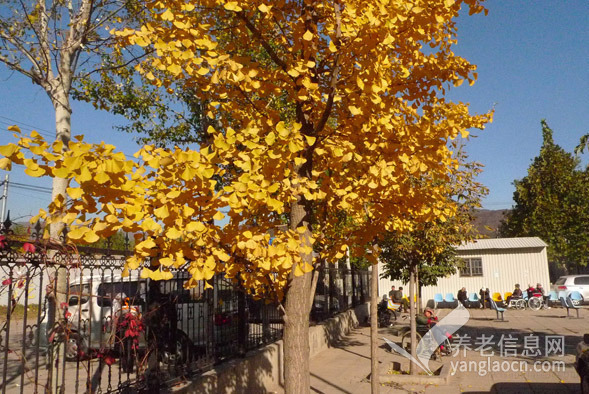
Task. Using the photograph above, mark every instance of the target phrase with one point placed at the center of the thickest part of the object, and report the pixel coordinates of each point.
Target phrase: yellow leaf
(101, 178)
(175, 69)
(75, 192)
(299, 161)
(270, 138)
(91, 237)
(84, 176)
(208, 172)
(219, 216)
(162, 212)
(142, 42)
(308, 36)
(232, 6)
(37, 172)
(133, 262)
(332, 47)
(167, 15)
(14, 128)
(5, 164)
(263, 8)
(310, 139)
(173, 233)
(77, 232)
(8, 150)
(282, 130)
(166, 261)
(146, 273)
(195, 226)
(354, 110)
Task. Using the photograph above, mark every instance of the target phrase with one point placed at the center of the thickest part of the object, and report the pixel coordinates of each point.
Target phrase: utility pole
(4, 198)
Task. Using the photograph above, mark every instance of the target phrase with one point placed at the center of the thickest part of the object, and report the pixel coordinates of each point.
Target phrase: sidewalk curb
(441, 379)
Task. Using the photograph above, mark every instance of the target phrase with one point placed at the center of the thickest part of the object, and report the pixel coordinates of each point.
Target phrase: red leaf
(21, 283)
(28, 247)
(109, 360)
(6, 282)
(67, 315)
(63, 305)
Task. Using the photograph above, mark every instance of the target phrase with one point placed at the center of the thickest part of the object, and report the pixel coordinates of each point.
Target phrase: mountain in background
(487, 222)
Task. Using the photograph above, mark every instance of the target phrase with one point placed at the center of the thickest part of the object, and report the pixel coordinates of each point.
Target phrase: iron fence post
(241, 323)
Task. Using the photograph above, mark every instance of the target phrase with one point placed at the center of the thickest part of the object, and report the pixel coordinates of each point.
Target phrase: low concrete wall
(262, 370)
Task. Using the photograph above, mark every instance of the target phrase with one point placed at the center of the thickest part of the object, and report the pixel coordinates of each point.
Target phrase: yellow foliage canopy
(345, 117)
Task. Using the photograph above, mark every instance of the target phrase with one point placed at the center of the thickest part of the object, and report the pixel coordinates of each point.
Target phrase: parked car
(582, 363)
(571, 283)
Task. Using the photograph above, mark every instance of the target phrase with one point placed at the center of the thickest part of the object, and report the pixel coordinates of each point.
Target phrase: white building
(497, 263)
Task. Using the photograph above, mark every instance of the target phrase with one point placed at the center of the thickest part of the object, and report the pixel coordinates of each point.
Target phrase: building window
(472, 267)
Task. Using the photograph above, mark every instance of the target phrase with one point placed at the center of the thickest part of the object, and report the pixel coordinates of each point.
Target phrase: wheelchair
(443, 349)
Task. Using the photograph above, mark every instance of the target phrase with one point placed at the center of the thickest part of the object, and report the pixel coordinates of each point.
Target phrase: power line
(29, 195)
(32, 188)
(26, 124)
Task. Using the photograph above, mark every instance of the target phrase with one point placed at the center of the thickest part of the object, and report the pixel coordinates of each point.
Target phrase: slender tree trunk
(61, 103)
(412, 367)
(374, 383)
(417, 292)
(297, 308)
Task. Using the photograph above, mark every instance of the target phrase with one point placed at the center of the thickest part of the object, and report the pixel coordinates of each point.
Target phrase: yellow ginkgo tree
(317, 111)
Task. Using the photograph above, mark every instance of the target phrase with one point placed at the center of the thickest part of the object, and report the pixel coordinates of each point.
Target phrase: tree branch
(273, 55)
(334, 74)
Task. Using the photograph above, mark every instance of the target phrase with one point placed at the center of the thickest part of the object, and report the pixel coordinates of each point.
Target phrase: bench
(497, 309)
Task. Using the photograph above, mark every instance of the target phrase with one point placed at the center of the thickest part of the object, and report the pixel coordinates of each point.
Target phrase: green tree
(428, 252)
(552, 202)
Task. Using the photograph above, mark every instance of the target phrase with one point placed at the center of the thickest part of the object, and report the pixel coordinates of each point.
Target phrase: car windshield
(560, 281)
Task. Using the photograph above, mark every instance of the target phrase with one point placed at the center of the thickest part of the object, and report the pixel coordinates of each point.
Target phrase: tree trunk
(61, 102)
(374, 330)
(297, 308)
(412, 367)
(417, 292)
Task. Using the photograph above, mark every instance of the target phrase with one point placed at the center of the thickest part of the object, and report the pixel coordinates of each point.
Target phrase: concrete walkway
(494, 356)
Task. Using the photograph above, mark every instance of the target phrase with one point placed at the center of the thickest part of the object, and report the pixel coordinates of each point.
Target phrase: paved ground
(530, 366)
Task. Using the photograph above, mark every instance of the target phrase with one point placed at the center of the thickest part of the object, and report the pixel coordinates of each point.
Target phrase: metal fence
(112, 333)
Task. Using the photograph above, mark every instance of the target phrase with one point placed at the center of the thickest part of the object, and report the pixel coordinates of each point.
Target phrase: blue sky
(533, 62)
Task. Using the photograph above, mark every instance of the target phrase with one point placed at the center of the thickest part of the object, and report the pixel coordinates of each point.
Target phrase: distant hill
(487, 222)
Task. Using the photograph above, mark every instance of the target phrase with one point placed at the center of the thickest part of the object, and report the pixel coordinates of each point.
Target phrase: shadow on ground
(536, 388)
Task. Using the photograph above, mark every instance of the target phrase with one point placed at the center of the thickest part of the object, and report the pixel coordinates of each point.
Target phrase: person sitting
(463, 296)
(397, 297)
(428, 318)
(485, 295)
(392, 292)
(516, 294)
(531, 290)
(540, 290)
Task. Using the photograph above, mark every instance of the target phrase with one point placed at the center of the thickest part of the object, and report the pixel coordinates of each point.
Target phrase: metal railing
(111, 333)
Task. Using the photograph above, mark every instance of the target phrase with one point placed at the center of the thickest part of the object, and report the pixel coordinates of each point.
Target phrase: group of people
(427, 317)
(485, 294)
(397, 297)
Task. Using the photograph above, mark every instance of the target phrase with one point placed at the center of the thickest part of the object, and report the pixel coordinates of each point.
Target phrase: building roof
(504, 243)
